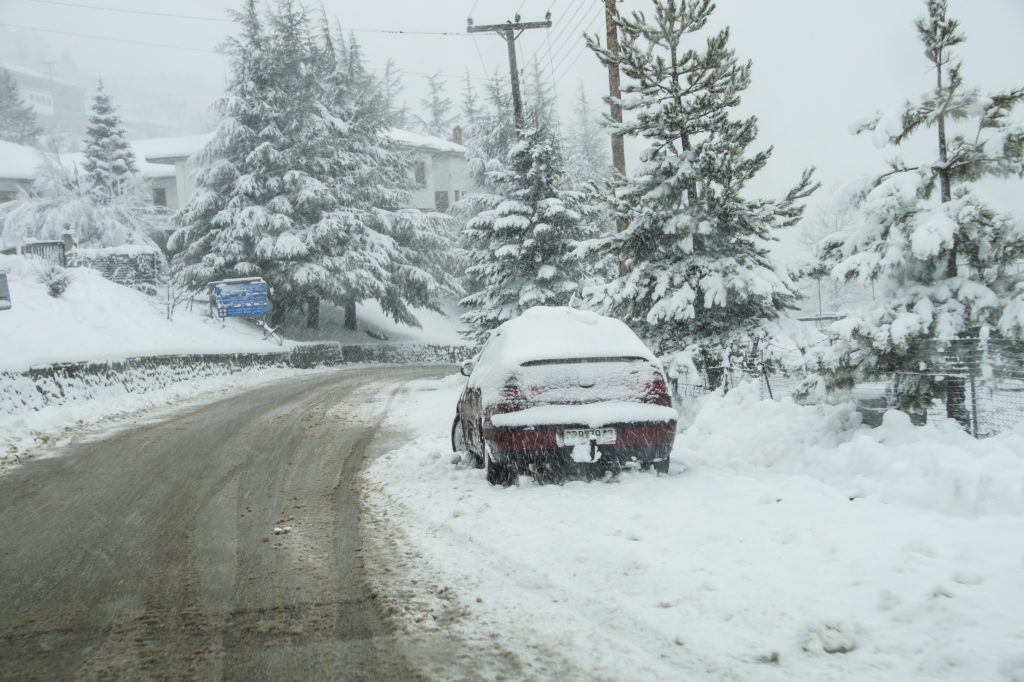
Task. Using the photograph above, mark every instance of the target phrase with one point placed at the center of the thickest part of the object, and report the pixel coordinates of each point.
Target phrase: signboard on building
(240, 297)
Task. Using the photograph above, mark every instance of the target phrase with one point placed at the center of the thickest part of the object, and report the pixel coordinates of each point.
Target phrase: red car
(559, 391)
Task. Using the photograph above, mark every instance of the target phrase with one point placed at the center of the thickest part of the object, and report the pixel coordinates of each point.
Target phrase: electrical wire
(583, 48)
(229, 21)
(107, 38)
(564, 40)
(573, 43)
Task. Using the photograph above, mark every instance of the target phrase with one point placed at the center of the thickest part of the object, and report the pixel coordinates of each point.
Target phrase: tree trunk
(956, 390)
(278, 314)
(350, 315)
(313, 312)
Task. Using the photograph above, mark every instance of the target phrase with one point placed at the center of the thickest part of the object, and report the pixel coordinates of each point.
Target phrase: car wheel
(499, 473)
(662, 466)
(458, 437)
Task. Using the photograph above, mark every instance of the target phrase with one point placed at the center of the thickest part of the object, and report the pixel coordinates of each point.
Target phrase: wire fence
(989, 371)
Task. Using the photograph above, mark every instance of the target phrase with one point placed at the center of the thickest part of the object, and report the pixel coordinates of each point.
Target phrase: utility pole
(510, 31)
(614, 92)
(612, 38)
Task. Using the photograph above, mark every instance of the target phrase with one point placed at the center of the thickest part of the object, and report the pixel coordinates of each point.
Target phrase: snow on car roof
(550, 333)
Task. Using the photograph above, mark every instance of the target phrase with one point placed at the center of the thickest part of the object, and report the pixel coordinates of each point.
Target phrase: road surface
(150, 551)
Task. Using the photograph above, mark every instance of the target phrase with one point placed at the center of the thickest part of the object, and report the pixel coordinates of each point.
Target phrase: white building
(439, 167)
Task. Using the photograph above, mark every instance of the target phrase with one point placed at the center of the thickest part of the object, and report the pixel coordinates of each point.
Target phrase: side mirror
(467, 368)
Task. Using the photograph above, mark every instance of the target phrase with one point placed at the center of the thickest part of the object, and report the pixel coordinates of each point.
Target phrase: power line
(229, 21)
(571, 42)
(129, 11)
(564, 38)
(583, 48)
(114, 40)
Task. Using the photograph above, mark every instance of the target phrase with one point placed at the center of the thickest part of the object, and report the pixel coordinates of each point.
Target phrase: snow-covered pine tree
(525, 245)
(697, 273)
(539, 109)
(18, 122)
(587, 155)
(439, 119)
(944, 264)
(391, 85)
(421, 253)
(109, 159)
(300, 184)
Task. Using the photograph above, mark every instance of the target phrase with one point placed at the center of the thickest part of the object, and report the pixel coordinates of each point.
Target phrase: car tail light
(657, 392)
(514, 397)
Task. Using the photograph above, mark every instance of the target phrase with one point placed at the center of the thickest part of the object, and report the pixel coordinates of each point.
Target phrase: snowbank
(753, 563)
(97, 320)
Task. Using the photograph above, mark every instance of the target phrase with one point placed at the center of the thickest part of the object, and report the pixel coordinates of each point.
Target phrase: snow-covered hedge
(61, 384)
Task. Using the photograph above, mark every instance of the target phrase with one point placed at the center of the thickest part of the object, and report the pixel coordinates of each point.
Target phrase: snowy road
(151, 552)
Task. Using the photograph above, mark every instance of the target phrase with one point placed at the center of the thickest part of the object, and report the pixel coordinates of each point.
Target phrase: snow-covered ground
(787, 543)
(98, 320)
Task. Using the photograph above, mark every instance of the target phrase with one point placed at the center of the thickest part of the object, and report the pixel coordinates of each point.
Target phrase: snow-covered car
(559, 391)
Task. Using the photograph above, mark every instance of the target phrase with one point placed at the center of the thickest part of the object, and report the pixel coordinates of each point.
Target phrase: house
(59, 105)
(439, 167)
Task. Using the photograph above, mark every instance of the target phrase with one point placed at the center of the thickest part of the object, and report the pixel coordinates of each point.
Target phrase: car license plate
(583, 436)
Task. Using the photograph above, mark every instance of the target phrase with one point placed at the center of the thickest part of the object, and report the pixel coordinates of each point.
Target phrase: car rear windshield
(584, 380)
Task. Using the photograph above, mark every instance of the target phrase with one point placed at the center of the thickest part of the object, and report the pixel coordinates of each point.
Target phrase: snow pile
(753, 563)
(97, 320)
(937, 466)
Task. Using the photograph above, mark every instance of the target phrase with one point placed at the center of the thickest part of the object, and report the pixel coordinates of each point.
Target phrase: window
(421, 173)
(458, 195)
(159, 196)
(441, 201)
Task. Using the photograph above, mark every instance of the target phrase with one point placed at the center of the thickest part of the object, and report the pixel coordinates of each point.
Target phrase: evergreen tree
(587, 156)
(696, 274)
(17, 120)
(944, 264)
(391, 85)
(540, 110)
(525, 245)
(109, 159)
(439, 120)
(301, 185)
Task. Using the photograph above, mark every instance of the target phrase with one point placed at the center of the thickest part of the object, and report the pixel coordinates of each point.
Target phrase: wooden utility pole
(614, 92)
(612, 37)
(510, 31)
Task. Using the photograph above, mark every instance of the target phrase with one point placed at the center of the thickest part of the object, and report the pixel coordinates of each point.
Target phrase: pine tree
(18, 122)
(587, 157)
(525, 245)
(109, 159)
(439, 120)
(697, 275)
(301, 185)
(944, 264)
(540, 110)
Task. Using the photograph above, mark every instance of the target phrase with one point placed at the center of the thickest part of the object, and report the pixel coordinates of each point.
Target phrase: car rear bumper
(628, 437)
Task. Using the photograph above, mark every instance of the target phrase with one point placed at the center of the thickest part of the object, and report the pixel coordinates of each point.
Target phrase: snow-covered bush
(54, 278)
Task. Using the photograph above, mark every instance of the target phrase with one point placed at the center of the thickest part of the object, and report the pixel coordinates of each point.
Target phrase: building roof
(18, 162)
(425, 142)
(38, 75)
(173, 149)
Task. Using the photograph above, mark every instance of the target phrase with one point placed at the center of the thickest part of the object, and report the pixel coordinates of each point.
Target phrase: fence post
(974, 405)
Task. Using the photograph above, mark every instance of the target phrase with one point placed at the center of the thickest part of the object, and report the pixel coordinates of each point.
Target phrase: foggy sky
(818, 65)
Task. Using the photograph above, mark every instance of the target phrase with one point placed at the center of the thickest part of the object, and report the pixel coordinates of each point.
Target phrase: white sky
(818, 64)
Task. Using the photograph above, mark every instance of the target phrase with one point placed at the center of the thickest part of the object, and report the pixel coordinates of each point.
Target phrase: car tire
(499, 473)
(458, 437)
(662, 466)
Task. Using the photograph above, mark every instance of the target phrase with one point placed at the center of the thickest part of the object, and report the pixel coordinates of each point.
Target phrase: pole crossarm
(510, 31)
